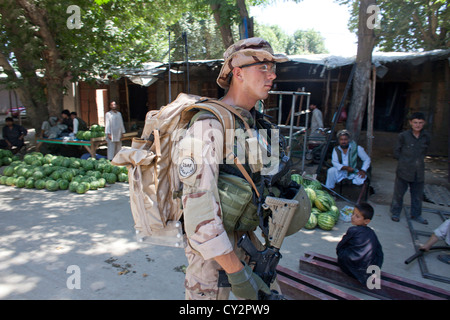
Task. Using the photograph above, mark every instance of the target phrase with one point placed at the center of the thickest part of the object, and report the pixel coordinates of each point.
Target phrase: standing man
(114, 129)
(13, 136)
(345, 161)
(215, 262)
(316, 118)
(410, 150)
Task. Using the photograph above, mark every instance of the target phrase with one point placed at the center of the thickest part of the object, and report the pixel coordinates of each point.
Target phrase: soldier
(214, 191)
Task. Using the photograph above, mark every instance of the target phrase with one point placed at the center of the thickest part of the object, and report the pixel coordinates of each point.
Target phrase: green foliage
(301, 42)
(408, 25)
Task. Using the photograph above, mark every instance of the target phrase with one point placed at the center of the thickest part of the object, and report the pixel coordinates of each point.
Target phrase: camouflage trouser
(202, 276)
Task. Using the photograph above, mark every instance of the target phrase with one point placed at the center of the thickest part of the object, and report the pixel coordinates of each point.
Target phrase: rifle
(266, 261)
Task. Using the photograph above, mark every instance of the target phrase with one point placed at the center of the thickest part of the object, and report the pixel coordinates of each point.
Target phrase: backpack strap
(225, 114)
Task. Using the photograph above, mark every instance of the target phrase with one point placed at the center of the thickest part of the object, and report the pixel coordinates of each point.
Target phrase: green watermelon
(315, 211)
(73, 186)
(323, 202)
(8, 171)
(111, 178)
(87, 135)
(6, 161)
(311, 194)
(80, 135)
(63, 184)
(325, 221)
(67, 175)
(20, 182)
(3, 180)
(29, 183)
(312, 222)
(51, 185)
(334, 211)
(39, 184)
(101, 182)
(93, 185)
(83, 187)
(122, 177)
(10, 181)
(75, 164)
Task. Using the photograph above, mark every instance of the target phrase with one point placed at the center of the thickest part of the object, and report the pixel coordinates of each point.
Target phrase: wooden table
(90, 145)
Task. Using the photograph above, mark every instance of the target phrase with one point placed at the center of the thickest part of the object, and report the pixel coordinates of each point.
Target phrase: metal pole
(292, 124)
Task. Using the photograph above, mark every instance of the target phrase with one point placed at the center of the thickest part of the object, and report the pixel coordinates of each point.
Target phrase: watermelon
(111, 178)
(20, 182)
(101, 182)
(325, 221)
(312, 222)
(93, 185)
(323, 202)
(3, 180)
(87, 135)
(315, 211)
(83, 187)
(73, 186)
(51, 185)
(9, 171)
(334, 211)
(311, 194)
(10, 181)
(67, 175)
(29, 183)
(297, 178)
(63, 184)
(6, 161)
(122, 177)
(39, 184)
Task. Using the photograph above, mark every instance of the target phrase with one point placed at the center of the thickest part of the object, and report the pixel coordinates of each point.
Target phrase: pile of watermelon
(7, 157)
(94, 131)
(53, 173)
(324, 212)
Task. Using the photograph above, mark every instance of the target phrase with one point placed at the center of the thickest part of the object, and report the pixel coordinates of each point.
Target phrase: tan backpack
(153, 175)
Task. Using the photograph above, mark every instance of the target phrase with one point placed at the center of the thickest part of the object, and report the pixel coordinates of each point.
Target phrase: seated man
(13, 136)
(78, 123)
(345, 162)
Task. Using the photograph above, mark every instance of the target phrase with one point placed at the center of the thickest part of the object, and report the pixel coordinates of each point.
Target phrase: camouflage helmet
(246, 51)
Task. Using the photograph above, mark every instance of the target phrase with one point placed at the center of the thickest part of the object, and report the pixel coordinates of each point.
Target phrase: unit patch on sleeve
(187, 167)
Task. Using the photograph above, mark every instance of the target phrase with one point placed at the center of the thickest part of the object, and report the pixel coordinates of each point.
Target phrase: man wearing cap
(345, 162)
(216, 264)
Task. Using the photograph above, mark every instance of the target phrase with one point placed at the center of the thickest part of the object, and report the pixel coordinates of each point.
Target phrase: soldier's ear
(237, 73)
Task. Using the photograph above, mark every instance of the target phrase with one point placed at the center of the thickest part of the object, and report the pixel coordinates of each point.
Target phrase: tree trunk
(243, 12)
(224, 26)
(54, 71)
(366, 40)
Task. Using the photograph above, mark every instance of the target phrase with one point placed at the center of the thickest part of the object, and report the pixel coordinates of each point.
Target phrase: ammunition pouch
(239, 213)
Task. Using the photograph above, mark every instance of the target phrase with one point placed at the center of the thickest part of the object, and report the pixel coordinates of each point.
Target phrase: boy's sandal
(395, 218)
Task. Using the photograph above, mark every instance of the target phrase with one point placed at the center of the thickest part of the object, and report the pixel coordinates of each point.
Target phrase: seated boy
(359, 247)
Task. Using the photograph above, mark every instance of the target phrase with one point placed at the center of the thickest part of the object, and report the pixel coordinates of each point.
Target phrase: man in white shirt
(344, 159)
(316, 118)
(114, 129)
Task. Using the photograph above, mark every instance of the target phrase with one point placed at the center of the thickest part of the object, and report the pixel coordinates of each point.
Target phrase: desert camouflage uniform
(205, 232)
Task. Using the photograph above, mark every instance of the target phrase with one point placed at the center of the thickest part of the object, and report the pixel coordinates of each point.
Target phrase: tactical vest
(239, 204)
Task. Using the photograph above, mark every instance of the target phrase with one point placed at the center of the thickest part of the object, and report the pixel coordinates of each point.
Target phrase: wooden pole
(300, 107)
(371, 110)
(128, 104)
